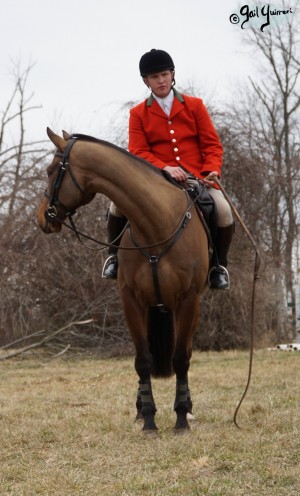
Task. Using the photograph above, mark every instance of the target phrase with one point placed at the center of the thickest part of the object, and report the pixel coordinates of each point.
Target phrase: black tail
(161, 341)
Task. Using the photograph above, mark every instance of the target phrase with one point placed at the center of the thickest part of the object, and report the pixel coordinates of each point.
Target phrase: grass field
(67, 429)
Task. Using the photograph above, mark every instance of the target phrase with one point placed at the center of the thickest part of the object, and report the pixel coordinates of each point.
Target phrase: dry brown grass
(67, 429)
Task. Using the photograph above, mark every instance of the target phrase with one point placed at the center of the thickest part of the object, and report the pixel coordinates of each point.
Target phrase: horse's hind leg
(187, 317)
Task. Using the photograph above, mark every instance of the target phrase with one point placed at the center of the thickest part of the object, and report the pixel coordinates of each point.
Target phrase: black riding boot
(115, 225)
(218, 277)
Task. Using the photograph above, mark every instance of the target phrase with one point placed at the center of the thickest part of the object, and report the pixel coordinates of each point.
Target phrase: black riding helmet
(155, 61)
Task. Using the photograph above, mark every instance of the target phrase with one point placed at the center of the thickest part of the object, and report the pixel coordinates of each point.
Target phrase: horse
(163, 256)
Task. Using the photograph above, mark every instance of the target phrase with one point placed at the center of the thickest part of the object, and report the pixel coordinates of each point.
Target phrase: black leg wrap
(182, 405)
(148, 408)
(189, 402)
(138, 405)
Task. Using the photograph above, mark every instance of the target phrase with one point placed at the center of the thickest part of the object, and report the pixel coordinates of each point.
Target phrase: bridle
(51, 213)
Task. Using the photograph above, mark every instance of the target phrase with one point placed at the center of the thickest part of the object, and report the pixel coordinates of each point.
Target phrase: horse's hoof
(150, 426)
(150, 432)
(181, 425)
(181, 430)
(149, 423)
(139, 416)
(190, 416)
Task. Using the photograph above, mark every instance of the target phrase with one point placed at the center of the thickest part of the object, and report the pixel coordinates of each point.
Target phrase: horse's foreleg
(145, 404)
(187, 318)
(181, 404)
(136, 317)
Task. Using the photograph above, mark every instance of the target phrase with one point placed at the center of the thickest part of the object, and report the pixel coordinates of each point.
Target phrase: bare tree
(277, 127)
(14, 166)
(49, 281)
(46, 282)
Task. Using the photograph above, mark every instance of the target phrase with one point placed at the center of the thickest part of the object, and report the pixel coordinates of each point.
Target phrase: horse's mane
(85, 137)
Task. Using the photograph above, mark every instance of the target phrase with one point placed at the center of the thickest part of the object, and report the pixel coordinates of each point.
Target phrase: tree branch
(44, 340)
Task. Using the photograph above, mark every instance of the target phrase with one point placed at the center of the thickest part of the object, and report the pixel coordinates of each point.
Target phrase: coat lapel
(177, 106)
(155, 108)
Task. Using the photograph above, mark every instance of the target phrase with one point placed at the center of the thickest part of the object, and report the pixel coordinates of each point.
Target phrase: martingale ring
(51, 212)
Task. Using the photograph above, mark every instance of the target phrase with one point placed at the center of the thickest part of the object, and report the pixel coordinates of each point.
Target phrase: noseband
(51, 213)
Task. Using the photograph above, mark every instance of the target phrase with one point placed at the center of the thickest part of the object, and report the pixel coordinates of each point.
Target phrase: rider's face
(160, 82)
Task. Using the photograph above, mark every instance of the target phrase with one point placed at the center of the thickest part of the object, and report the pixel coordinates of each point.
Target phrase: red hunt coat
(186, 138)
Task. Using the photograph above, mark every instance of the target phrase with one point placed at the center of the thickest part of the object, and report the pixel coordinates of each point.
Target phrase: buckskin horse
(163, 256)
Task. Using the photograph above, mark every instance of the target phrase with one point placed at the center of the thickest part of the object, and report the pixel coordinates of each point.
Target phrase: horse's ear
(66, 135)
(59, 142)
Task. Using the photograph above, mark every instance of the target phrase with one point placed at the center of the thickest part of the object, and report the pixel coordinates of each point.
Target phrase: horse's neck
(144, 196)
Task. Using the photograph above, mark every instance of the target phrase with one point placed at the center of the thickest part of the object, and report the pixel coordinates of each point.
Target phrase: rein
(255, 278)
(104, 244)
(51, 213)
(52, 216)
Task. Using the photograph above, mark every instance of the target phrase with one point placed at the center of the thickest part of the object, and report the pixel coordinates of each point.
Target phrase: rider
(174, 132)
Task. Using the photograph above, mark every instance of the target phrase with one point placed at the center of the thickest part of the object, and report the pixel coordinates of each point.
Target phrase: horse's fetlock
(148, 409)
(181, 407)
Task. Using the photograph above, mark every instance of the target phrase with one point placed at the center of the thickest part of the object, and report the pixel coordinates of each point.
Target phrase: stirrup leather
(221, 269)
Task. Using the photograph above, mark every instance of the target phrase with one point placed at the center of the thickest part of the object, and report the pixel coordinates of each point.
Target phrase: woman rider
(174, 132)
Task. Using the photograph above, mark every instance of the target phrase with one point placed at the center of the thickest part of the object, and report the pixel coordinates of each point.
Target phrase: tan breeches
(223, 210)
(114, 210)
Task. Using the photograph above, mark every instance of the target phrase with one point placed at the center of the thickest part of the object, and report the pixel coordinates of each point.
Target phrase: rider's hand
(176, 172)
(209, 179)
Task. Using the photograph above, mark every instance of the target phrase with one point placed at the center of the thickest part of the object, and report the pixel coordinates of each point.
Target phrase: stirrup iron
(110, 259)
(221, 269)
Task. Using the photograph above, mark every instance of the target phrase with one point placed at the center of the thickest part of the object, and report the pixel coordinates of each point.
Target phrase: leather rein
(51, 212)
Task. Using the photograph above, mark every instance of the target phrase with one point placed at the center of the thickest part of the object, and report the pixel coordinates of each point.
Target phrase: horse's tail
(161, 341)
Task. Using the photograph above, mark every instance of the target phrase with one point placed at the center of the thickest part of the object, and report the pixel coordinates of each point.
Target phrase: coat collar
(176, 107)
(176, 94)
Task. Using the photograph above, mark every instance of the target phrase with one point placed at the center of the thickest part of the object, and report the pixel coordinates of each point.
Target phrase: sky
(85, 55)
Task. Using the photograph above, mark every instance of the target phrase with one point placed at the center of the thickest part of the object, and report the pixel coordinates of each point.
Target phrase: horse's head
(66, 187)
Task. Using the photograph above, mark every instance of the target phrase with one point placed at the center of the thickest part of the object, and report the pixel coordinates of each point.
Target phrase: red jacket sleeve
(138, 144)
